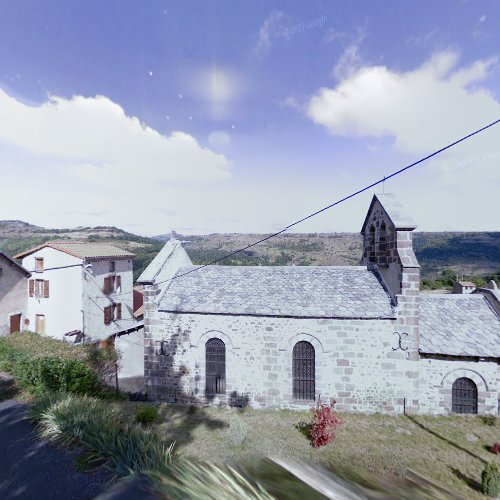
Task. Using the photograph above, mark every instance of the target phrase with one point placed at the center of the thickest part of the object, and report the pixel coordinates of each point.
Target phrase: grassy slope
(472, 254)
(436, 447)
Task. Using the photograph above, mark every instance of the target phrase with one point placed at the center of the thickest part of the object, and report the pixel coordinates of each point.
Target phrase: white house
(84, 291)
(287, 336)
(13, 298)
(463, 287)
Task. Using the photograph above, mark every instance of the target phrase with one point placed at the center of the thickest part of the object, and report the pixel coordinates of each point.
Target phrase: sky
(232, 116)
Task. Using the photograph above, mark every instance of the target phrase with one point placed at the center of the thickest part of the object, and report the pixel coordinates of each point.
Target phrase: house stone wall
(13, 294)
(437, 377)
(355, 361)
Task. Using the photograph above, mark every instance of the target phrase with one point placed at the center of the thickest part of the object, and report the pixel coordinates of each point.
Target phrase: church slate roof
(394, 209)
(458, 325)
(290, 291)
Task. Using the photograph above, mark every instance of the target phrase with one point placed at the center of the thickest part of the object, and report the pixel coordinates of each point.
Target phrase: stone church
(287, 336)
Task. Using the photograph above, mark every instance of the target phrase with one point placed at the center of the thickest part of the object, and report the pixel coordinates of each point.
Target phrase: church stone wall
(437, 377)
(355, 361)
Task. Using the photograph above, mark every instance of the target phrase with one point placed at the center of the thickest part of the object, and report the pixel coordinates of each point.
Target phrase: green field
(450, 451)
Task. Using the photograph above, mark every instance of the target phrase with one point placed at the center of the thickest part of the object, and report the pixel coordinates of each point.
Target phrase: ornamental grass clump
(147, 414)
(127, 449)
(70, 418)
(490, 480)
(205, 481)
(101, 428)
(324, 424)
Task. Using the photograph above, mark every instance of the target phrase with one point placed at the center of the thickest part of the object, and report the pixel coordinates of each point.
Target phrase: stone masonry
(371, 351)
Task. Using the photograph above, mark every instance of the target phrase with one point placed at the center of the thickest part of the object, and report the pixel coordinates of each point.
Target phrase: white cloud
(423, 110)
(273, 28)
(350, 59)
(349, 62)
(219, 139)
(333, 34)
(291, 102)
(87, 154)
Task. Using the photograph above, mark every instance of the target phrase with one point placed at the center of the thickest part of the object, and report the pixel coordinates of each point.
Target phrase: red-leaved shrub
(495, 448)
(324, 423)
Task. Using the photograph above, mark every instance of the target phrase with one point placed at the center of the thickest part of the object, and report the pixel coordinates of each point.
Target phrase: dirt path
(31, 468)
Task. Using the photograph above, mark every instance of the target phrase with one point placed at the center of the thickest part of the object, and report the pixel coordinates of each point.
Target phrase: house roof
(466, 283)
(81, 249)
(12, 262)
(394, 209)
(290, 291)
(458, 325)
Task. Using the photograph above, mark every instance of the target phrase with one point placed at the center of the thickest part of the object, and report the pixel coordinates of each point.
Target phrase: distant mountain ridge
(468, 253)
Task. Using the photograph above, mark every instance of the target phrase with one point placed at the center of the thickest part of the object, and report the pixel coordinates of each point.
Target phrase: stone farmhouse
(364, 335)
(13, 298)
(83, 291)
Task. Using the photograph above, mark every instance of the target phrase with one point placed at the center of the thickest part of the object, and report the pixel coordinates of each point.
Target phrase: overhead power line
(317, 212)
(338, 202)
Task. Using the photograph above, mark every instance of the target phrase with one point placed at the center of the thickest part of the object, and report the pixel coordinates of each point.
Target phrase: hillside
(473, 254)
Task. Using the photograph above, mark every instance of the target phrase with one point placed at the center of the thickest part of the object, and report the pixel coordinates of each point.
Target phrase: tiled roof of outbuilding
(291, 291)
(81, 249)
(458, 325)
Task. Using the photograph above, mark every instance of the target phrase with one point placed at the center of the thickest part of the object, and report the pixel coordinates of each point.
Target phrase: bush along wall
(42, 364)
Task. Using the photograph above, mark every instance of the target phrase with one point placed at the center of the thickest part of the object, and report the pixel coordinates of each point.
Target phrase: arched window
(371, 245)
(303, 369)
(382, 244)
(464, 396)
(215, 358)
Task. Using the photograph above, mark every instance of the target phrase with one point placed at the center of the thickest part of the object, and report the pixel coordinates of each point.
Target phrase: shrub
(103, 361)
(146, 414)
(237, 430)
(495, 448)
(44, 364)
(490, 420)
(490, 480)
(55, 374)
(200, 481)
(324, 424)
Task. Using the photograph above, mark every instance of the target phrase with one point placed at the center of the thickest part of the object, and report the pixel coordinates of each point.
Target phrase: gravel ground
(31, 468)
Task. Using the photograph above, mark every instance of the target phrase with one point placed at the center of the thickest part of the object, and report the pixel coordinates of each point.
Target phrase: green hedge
(56, 374)
(38, 372)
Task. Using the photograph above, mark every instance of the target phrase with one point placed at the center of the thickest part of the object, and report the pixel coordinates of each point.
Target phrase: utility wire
(338, 202)
(310, 216)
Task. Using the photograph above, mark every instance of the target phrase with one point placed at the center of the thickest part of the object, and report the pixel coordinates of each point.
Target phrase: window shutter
(118, 282)
(46, 289)
(118, 311)
(106, 286)
(32, 288)
(107, 315)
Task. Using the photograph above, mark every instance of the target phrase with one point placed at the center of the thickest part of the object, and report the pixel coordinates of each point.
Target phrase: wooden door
(40, 324)
(15, 323)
